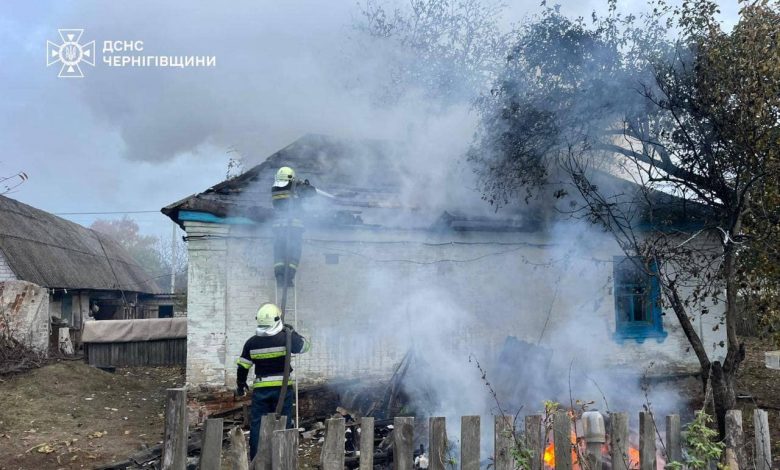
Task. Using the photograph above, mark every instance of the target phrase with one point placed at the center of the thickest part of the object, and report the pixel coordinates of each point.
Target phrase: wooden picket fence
(278, 447)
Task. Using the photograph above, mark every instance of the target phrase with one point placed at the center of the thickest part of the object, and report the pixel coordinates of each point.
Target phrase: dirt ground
(69, 415)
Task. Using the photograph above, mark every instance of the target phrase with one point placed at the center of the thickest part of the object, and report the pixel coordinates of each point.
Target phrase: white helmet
(269, 319)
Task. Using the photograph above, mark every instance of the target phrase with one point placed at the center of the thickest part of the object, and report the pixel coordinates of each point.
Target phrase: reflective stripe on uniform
(268, 353)
(245, 363)
(270, 381)
(280, 195)
(279, 265)
(306, 346)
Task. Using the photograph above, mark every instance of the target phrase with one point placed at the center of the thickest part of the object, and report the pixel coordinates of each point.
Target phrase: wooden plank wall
(137, 353)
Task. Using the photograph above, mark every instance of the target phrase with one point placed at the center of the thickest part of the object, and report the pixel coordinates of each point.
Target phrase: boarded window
(637, 300)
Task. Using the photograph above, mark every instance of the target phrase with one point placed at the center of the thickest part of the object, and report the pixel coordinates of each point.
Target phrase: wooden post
(366, 443)
(403, 443)
(268, 424)
(646, 441)
(673, 439)
(211, 449)
(562, 440)
(503, 441)
(332, 457)
(763, 453)
(174, 451)
(284, 450)
(735, 437)
(437, 443)
(238, 453)
(469, 442)
(533, 440)
(618, 440)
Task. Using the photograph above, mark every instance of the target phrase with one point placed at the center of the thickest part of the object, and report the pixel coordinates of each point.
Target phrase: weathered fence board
(618, 435)
(533, 440)
(562, 440)
(238, 453)
(284, 450)
(366, 443)
(403, 443)
(646, 441)
(174, 454)
(763, 452)
(332, 456)
(673, 439)
(437, 443)
(469, 442)
(735, 440)
(211, 450)
(503, 439)
(268, 424)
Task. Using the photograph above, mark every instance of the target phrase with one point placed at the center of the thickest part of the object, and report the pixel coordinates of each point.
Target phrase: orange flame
(633, 457)
(549, 455)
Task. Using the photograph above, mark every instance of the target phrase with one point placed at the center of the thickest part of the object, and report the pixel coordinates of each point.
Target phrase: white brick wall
(6, 274)
(206, 304)
(363, 313)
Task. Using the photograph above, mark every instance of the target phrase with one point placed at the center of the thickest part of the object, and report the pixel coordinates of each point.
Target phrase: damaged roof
(365, 182)
(53, 252)
(363, 178)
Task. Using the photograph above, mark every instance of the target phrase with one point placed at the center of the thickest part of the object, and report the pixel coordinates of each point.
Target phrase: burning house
(382, 273)
(55, 270)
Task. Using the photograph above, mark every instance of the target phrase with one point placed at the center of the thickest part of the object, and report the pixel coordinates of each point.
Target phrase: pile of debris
(312, 440)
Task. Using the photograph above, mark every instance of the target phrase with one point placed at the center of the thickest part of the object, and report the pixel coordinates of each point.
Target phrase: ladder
(291, 312)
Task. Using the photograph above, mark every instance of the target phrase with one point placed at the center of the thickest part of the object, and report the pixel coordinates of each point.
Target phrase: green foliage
(521, 455)
(700, 445)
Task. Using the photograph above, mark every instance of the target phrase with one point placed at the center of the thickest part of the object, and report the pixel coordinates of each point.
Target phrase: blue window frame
(637, 300)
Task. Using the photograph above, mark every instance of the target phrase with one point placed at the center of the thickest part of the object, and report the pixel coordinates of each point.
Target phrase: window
(165, 311)
(637, 306)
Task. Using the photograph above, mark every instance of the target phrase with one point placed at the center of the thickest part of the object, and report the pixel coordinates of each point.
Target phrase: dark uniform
(288, 228)
(267, 354)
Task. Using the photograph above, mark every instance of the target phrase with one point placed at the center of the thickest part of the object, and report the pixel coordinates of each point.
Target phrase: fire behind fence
(536, 443)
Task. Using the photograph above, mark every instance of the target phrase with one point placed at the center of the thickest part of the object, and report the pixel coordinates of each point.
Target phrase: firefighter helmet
(268, 316)
(284, 175)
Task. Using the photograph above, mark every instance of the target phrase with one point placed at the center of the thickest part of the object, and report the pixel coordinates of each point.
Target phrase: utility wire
(106, 213)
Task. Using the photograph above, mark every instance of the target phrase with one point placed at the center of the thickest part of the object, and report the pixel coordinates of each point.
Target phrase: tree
(449, 49)
(151, 252)
(694, 122)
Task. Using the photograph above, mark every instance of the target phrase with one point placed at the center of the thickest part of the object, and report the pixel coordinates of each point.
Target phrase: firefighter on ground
(286, 194)
(266, 351)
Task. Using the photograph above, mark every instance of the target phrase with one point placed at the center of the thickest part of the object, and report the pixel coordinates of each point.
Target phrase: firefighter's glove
(241, 389)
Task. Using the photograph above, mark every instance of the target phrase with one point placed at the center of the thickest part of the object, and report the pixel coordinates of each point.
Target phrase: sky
(139, 138)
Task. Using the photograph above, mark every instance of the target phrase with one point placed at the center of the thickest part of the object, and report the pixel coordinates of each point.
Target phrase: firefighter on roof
(286, 194)
(266, 351)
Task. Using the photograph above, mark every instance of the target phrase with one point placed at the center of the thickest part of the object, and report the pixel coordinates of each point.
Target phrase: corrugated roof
(53, 252)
